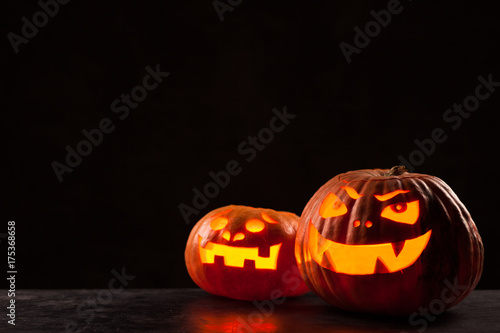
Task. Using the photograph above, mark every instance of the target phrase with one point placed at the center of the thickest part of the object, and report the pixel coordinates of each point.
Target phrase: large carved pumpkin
(389, 242)
(245, 253)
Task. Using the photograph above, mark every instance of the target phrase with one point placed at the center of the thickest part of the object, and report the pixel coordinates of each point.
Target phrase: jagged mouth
(365, 259)
(236, 256)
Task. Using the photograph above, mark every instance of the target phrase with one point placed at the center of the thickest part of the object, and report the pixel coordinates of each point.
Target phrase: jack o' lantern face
(396, 207)
(237, 235)
(387, 241)
(245, 253)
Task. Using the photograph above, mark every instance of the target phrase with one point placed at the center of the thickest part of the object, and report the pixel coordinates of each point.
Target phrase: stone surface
(193, 310)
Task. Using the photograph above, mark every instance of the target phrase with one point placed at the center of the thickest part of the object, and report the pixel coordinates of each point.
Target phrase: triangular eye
(332, 206)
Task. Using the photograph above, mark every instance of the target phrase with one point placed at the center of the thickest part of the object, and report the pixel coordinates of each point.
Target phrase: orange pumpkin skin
(388, 242)
(245, 253)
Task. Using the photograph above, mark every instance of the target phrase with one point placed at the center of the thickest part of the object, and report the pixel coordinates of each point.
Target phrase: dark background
(119, 207)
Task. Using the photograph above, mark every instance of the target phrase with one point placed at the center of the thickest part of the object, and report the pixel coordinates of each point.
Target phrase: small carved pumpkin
(245, 253)
(388, 241)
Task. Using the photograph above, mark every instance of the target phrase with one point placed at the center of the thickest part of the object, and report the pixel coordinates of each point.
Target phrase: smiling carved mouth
(365, 259)
(236, 256)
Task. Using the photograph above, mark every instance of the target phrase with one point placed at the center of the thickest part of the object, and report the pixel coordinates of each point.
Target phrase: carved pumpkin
(389, 242)
(245, 253)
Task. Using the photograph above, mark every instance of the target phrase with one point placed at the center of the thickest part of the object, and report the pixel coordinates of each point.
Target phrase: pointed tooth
(328, 262)
(398, 247)
(380, 267)
(323, 245)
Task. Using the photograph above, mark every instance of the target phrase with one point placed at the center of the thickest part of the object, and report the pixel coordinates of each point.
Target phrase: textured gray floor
(193, 310)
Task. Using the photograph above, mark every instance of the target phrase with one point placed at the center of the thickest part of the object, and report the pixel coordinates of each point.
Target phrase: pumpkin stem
(397, 170)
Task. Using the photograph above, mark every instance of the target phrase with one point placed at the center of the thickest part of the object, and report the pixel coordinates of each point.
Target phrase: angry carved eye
(218, 223)
(254, 225)
(332, 206)
(403, 212)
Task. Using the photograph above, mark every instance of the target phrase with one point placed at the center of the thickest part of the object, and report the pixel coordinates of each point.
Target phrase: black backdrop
(119, 205)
